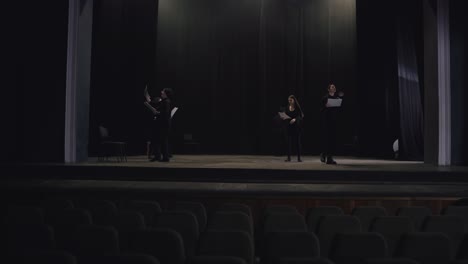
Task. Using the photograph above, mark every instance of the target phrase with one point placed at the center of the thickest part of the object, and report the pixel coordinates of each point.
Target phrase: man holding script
(331, 106)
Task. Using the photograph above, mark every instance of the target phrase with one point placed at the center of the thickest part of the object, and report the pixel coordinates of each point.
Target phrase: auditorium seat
(314, 215)
(238, 221)
(286, 246)
(417, 214)
(28, 237)
(147, 208)
(48, 257)
(217, 260)
(461, 211)
(127, 258)
(183, 222)
(452, 226)
(236, 207)
(94, 241)
(392, 228)
(367, 214)
(198, 209)
(391, 261)
(227, 243)
(66, 223)
(277, 222)
(305, 261)
(426, 248)
(103, 212)
(279, 209)
(164, 244)
(126, 223)
(358, 247)
(331, 225)
(53, 207)
(463, 249)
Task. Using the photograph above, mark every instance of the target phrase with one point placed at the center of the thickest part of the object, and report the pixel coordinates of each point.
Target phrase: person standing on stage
(151, 131)
(163, 123)
(330, 109)
(293, 115)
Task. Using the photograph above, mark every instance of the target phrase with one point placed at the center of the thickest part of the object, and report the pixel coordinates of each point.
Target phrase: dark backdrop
(459, 80)
(33, 80)
(231, 63)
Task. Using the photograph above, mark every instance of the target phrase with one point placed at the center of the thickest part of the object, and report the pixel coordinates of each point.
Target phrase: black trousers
(161, 142)
(329, 136)
(293, 136)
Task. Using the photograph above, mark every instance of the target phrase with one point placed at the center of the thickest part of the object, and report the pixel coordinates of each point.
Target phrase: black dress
(329, 121)
(293, 131)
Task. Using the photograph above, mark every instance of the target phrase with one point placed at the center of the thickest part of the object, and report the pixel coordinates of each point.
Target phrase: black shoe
(287, 160)
(331, 161)
(155, 159)
(299, 160)
(322, 157)
(164, 160)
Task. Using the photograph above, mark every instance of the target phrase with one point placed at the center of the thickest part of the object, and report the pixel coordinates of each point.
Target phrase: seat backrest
(391, 261)
(279, 209)
(277, 222)
(284, 245)
(93, 240)
(148, 208)
(356, 248)
(126, 223)
(227, 243)
(103, 212)
(224, 220)
(392, 228)
(331, 225)
(198, 209)
(426, 248)
(183, 222)
(416, 213)
(236, 207)
(129, 258)
(314, 215)
(461, 211)
(367, 214)
(452, 226)
(217, 260)
(164, 244)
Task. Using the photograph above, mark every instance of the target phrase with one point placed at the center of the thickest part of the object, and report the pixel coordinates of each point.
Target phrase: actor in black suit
(329, 119)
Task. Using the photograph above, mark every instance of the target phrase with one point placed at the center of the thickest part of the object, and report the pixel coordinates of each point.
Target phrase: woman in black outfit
(329, 120)
(294, 126)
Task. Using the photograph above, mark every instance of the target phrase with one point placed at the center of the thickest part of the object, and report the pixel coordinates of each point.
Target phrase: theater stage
(242, 168)
(230, 175)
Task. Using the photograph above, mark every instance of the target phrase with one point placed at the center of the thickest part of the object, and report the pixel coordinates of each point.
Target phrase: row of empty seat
(97, 231)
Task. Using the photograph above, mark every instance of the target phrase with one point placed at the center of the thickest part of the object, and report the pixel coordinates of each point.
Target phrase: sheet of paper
(284, 116)
(173, 111)
(334, 102)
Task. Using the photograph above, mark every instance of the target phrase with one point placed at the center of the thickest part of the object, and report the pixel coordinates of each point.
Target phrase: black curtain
(234, 63)
(410, 99)
(123, 63)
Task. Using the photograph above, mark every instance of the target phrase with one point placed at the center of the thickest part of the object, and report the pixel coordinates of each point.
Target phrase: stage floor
(243, 168)
(265, 163)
